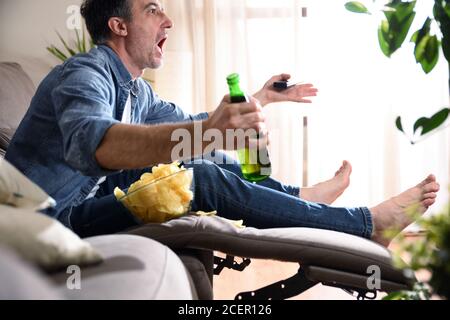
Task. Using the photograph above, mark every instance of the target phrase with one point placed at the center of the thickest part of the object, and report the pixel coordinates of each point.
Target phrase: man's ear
(118, 27)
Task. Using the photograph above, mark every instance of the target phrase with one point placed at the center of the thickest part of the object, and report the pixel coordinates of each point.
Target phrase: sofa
(174, 260)
(133, 267)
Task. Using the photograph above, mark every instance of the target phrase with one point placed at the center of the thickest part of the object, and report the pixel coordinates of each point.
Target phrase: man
(93, 116)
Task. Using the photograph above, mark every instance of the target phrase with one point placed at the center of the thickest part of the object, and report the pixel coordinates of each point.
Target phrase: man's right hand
(246, 115)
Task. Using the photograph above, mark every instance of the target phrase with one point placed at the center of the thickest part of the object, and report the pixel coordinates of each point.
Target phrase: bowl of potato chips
(162, 195)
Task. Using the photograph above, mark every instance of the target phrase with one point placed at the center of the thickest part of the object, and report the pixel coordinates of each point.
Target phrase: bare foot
(393, 213)
(327, 192)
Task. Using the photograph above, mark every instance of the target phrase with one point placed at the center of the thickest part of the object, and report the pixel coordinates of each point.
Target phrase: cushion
(18, 191)
(43, 240)
(16, 91)
(5, 138)
(134, 268)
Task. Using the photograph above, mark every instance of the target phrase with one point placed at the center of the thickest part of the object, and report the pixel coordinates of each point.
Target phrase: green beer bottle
(255, 163)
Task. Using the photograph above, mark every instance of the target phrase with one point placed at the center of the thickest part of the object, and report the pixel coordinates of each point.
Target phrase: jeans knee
(220, 158)
(204, 169)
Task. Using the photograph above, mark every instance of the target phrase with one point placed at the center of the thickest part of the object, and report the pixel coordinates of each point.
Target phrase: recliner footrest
(331, 256)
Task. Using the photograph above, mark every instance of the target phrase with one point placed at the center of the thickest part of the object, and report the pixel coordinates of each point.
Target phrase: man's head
(137, 29)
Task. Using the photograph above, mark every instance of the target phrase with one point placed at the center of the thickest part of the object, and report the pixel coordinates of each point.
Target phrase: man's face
(147, 33)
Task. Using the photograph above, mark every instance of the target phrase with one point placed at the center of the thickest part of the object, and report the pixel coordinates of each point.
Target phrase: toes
(341, 169)
(346, 168)
(349, 166)
(431, 178)
(430, 195)
(428, 202)
(431, 187)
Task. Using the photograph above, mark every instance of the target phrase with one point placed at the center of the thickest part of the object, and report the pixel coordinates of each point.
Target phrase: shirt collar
(123, 75)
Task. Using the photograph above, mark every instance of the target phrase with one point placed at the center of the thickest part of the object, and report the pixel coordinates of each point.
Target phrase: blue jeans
(268, 204)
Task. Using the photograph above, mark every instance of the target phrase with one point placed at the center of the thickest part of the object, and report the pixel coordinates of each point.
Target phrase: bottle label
(239, 99)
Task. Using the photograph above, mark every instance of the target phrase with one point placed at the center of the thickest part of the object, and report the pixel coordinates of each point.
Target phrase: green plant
(392, 33)
(420, 291)
(432, 254)
(82, 45)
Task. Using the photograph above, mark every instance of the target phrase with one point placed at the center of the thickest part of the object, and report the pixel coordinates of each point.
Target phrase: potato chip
(239, 224)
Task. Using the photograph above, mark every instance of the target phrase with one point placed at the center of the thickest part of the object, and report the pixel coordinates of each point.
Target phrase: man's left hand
(296, 93)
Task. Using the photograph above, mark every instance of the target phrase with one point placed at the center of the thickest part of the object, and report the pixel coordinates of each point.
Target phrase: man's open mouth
(161, 43)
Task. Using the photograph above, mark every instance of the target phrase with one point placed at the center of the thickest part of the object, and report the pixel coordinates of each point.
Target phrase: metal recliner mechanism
(230, 263)
(288, 288)
(280, 290)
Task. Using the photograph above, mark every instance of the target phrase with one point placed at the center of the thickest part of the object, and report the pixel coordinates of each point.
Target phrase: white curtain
(361, 91)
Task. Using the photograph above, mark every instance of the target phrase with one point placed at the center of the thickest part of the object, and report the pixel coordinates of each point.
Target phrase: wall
(27, 27)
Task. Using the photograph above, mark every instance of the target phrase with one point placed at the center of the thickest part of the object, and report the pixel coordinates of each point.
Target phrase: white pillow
(43, 240)
(19, 191)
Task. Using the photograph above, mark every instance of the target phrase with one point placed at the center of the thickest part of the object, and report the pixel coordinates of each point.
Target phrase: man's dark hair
(97, 13)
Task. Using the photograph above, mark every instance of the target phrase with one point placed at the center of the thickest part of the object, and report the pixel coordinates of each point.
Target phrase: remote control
(281, 85)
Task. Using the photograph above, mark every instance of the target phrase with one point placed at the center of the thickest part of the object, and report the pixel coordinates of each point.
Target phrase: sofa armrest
(134, 268)
(21, 281)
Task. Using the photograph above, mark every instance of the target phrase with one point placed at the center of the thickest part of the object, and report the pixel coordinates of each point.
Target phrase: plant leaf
(57, 53)
(429, 124)
(395, 296)
(426, 50)
(399, 125)
(446, 47)
(70, 50)
(431, 54)
(437, 120)
(403, 30)
(54, 53)
(84, 40)
(394, 30)
(356, 7)
(447, 9)
(425, 30)
(442, 16)
(383, 31)
(78, 41)
(420, 123)
(415, 36)
(427, 53)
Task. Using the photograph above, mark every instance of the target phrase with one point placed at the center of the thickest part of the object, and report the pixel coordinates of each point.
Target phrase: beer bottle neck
(236, 93)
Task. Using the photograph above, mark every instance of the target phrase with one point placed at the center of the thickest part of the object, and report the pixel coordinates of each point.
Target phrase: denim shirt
(73, 107)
